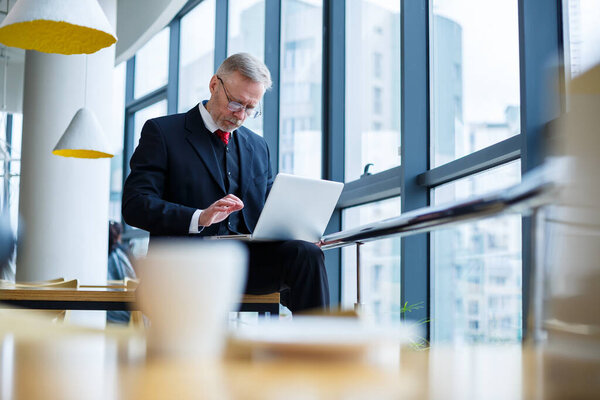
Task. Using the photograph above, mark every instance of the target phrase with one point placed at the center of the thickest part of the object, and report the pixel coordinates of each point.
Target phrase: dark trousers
(293, 266)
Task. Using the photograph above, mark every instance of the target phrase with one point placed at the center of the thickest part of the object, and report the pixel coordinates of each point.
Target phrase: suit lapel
(246, 160)
(198, 137)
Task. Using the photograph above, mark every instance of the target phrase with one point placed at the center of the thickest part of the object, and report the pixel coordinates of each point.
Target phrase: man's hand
(219, 210)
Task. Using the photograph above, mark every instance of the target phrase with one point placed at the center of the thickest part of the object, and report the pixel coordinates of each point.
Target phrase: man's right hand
(219, 210)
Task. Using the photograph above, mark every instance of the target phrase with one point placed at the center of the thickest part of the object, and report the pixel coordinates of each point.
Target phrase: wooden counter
(56, 363)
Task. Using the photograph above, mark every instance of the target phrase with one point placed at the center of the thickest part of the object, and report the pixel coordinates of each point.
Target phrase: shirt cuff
(194, 228)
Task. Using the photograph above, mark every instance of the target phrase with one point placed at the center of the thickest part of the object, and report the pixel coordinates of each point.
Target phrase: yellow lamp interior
(81, 153)
(55, 37)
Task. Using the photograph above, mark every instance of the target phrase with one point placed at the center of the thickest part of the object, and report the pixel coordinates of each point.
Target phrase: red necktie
(223, 135)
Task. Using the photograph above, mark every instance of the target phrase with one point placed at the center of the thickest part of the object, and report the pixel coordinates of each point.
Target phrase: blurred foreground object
(187, 289)
(571, 260)
(57, 26)
(324, 338)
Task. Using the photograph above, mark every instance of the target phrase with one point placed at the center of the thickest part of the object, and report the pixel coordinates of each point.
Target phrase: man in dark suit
(203, 174)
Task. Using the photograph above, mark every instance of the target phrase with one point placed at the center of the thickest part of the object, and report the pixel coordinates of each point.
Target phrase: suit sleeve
(143, 204)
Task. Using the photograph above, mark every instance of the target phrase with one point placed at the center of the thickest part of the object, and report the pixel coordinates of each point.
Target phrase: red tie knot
(223, 135)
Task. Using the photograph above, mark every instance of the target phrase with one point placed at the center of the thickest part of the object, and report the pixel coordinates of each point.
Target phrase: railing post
(358, 306)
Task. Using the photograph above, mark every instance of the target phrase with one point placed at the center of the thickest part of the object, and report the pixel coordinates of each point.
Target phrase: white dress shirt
(209, 123)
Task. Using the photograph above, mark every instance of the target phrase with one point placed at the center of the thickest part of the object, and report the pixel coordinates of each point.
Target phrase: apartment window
(152, 64)
(473, 307)
(377, 101)
(196, 55)
(493, 302)
(473, 41)
(377, 65)
(301, 87)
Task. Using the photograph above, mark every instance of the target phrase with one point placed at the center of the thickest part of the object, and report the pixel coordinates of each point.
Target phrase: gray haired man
(202, 173)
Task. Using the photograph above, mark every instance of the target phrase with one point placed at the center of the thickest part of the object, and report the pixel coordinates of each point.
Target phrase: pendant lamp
(57, 26)
(84, 138)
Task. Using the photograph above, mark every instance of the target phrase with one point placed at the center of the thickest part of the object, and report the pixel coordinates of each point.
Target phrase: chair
(53, 283)
(261, 303)
(56, 315)
(136, 318)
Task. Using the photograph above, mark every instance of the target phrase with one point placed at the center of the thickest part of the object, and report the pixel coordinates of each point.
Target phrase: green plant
(420, 343)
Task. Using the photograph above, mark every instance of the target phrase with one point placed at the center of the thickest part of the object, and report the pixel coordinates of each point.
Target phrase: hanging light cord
(85, 82)
(5, 56)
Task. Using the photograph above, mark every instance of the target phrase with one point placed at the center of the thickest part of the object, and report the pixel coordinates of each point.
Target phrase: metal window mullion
(370, 188)
(414, 37)
(147, 100)
(173, 81)
(479, 161)
(189, 6)
(540, 56)
(271, 100)
(221, 18)
(333, 123)
(129, 122)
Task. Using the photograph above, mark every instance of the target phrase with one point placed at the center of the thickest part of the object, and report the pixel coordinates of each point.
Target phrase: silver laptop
(296, 208)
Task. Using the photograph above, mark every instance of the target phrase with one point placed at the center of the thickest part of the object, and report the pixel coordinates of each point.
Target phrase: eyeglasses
(234, 106)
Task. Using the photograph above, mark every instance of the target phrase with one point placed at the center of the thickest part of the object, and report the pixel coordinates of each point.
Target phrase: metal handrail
(537, 188)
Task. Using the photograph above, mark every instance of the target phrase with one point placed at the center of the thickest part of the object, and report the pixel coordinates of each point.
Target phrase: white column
(64, 201)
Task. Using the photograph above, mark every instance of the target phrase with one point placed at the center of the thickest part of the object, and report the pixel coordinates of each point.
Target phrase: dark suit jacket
(174, 171)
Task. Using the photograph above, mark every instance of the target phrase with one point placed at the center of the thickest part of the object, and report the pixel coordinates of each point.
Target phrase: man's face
(240, 90)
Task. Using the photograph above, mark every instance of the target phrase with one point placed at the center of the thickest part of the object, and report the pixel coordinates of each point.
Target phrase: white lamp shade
(57, 26)
(84, 138)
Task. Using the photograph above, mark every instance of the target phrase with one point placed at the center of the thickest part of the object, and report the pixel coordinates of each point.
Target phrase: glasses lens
(235, 107)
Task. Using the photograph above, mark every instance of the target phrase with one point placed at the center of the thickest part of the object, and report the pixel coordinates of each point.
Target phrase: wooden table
(113, 297)
(55, 363)
(90, 298)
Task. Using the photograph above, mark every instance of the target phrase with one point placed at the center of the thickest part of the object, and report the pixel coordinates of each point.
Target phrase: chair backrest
(70, 284)
(55, 315)
(131, 283)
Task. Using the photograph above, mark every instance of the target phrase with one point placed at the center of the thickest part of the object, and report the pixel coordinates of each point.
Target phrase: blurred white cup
(187, 288)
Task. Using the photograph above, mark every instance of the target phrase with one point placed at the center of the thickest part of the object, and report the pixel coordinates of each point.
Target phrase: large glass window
(10, 166)
(300, 97)
(155, 110)
(4, 162)
(379, 260)
(372, 86)
(116, 163)
(15, 169)
(476, 266)
(583, 34)
(196, 55)
(475, 76)
(247, 34)
(152, 64)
